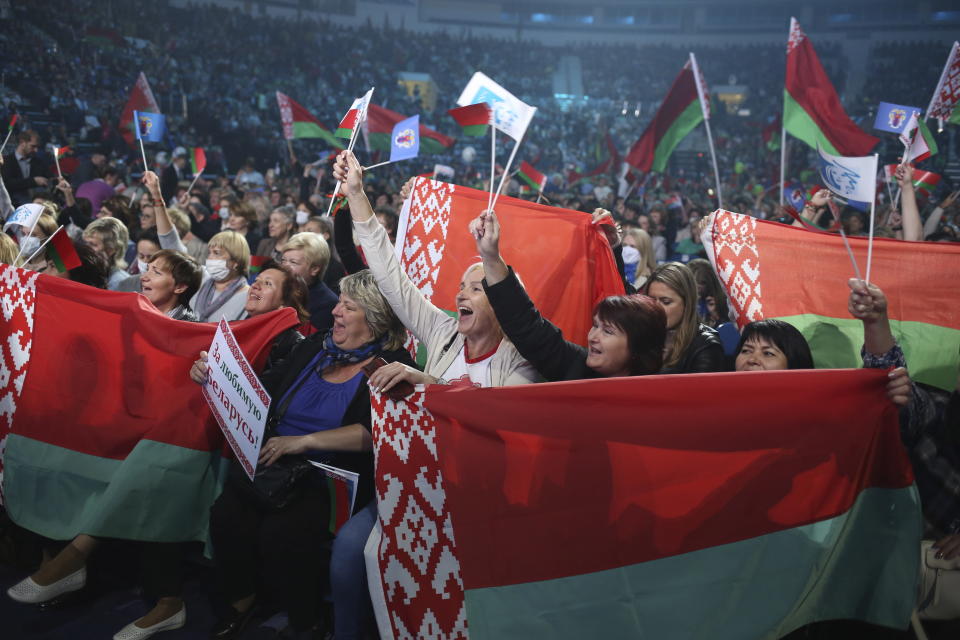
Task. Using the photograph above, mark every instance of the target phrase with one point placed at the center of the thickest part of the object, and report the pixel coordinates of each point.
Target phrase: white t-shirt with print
(469, 371)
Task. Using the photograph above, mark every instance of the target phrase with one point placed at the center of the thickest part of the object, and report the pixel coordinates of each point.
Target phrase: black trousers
(288, 548)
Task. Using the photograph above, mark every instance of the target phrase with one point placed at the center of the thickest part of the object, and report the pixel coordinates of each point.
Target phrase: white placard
(236, 398)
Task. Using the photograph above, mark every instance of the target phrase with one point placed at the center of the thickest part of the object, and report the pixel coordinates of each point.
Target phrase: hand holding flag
(13, 121)
(349, 127)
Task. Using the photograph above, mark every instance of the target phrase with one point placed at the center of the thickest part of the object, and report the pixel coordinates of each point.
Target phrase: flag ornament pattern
(947, 94)
(756, 259)
(405, 139)
(812, 110)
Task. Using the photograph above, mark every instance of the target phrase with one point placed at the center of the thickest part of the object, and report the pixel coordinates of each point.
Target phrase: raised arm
(169, 238)
(909, 212)
(933, 221)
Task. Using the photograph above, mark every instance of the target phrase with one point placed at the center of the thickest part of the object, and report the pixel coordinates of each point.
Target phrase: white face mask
(302, 216)
(29, 245)
(224, 212)
(630, 255)
(142, 266)
(218, 269)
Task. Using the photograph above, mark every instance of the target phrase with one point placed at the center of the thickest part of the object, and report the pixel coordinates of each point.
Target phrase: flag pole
(705, 109)
(783, 159)
(846, 243)
(195, 178)
(873, 208)
(506, 171)
(29, 233)
(143, 152)
(542, 185)
(493, 162)
(4, 145)
(45, 243)
(361, 118)
(374, 166)
(56, 158)
(716, 170)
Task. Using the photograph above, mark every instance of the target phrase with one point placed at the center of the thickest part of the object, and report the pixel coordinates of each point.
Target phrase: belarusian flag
(947, 94)
(300, 123)
(474, 118)
(353, 117)
(198, 160)
(141, 99)
(677, 116)
(531, 176)
(61, 251)
(60, 151)
(551, 515)
(437, 251)
(925, 182)
(759, 264)
(380, 123)
(142, 461)
(918, 140)
(811, 108)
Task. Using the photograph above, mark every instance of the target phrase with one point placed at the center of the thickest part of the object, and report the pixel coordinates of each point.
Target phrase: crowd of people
(252, 235)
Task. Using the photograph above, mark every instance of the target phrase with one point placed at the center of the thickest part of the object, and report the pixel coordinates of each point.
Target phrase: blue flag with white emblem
(405, 139)
(850, 178)
(893, 117)
(149, 126)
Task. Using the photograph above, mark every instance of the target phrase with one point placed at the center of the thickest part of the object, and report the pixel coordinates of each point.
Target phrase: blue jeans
(352, 608)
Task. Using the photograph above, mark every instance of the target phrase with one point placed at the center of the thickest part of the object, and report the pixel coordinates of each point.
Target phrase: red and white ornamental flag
(947, 93)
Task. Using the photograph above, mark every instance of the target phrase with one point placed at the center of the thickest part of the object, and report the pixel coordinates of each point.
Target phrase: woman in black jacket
(626, 339)
(320, 408)
(692, 347)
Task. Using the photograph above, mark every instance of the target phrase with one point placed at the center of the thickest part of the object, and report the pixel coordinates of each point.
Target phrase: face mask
(29, 245)
(142, 266)
(218, 270)
(224, 212)
(302, 216)
(630, 255)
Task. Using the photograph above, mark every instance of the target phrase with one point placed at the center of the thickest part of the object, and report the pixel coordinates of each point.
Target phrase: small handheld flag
(25, 216)
(405, 139)
(13, 121)
(893, 117)
(918, 140)
(850, 178)
(198, 161)
(353, 118)
(474, 118)
(61, 251)
(531, 176)
(150, 126)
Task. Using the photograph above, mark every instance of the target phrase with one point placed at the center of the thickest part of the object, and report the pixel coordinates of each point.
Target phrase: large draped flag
(771, 270)
(811, 107)
(549, 511)
(380, 125)
(564, 260)
(141, 99)
(679, 113)
(104, 431)
(299, 123)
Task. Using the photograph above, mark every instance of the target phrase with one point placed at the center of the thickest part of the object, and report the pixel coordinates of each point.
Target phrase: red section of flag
(682, 92)
(141, 99)
(539, 473)
(86, 340)
(66, 252)
(381, 120)
(810, 87)
(13, 121)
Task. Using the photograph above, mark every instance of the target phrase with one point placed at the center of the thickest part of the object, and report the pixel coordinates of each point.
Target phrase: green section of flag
(932, 352)
(684, 123)
(859, 565)
(313, 130)
(800, 125)
(158, 493)
(533, 183)
(475, 129)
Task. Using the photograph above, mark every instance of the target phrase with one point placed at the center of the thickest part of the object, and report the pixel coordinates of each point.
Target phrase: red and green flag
(811, 107)
(256, 265)
(531, 176)
(555, 516)
(474, 118)
(925, 182)
(300, 123)
(123, 458)
(380, 123)
(60, 151)
(759, 264)
(13, 121)
(354, 116)
(198, 160)
(61, 251)
(679, 113)
(918, 140)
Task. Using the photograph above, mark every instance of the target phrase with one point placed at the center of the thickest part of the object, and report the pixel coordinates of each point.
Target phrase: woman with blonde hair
(641, 241)
(691, 347)
(108, 237)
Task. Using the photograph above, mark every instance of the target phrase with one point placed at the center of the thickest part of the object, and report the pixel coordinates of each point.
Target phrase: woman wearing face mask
(31, 241)
(626, 339)
(281, 225)
(223, 293)
(691, 347)
(108, 236)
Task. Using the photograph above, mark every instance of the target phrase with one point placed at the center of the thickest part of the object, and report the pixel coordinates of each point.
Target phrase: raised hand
(406, 189)
(347, 170)
(904, 176)
(899, 389)
(152, 182)
(485, 230)
(866, 302)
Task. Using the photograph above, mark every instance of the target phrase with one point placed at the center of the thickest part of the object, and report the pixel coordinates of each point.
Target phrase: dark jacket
(537, 339)
(705, 354)
(169, 179)
(277, 379)
(320, 303)
(343, 241)
(17, 186)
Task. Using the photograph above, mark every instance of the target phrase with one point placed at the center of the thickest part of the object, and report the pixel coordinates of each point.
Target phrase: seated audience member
(243, 219)
(108, 236)
(324, 226)
(281, 225)
(307, 254)
(322, 410)
(691, 347)
(772, 345)
(628, 332)
(94, 270)
(223, 292)
(646, 262)
(170, 281)
(276, 287)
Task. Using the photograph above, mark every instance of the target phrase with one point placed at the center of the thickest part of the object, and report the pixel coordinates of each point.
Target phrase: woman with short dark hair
(772, 345)
(170, 281)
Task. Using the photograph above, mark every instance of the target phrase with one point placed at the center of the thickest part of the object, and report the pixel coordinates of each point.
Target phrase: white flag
(26, 216)
(906, 136)
(850, 178)
(511, 115)
(443, 170)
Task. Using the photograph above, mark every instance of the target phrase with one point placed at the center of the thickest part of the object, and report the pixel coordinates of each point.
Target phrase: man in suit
(22, 171)
(173, 174)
